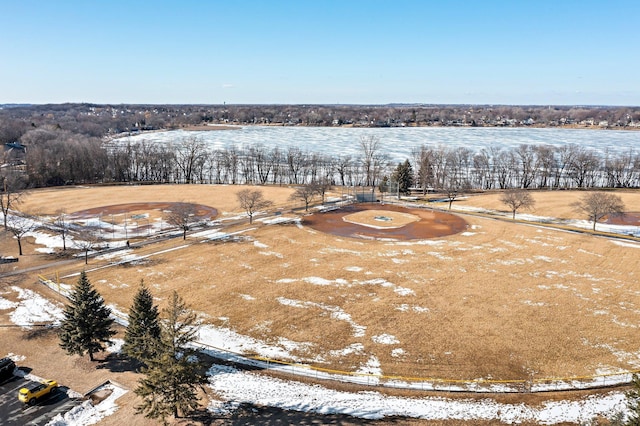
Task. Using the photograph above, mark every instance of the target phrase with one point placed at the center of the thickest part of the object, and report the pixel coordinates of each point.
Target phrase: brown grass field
(500, 301)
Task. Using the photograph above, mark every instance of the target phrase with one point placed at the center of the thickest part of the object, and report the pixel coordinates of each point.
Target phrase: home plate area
(384, 221)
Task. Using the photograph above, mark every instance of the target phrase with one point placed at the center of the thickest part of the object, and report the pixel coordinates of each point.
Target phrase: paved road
(14, 412)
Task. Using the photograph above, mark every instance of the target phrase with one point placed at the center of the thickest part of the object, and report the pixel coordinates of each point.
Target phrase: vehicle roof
(6, 361)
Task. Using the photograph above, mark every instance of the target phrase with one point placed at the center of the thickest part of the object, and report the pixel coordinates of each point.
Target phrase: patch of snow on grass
(50, 242)
(353, 269)
(402, 291)
(406, 308)
(354, 348)
(6, 304)
(228, 340)
(291, 302)
(247, 297)
(397, 352)
(272, 253)
(439, 255)
(121, 254)
(385, 339)
(372, 367)
(16, 358)
(626, 244)
(260, 245)
(33, 309)
(530, 303)
(323, 281)
(87, 413)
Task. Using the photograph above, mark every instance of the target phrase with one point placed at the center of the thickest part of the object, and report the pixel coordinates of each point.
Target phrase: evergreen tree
(633, 402)
(173, 375)
(86, 326)
(142, 336)
(403, 175)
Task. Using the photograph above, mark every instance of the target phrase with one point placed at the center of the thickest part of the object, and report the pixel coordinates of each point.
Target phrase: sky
(517, 52)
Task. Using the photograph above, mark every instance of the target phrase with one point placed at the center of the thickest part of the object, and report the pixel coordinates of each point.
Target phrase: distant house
(14, 153)
(16, 145)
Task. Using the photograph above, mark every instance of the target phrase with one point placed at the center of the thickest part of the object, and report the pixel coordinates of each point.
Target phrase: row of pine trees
(158, 342)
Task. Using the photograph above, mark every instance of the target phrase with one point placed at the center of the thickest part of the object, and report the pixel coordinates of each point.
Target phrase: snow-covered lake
(398, 143)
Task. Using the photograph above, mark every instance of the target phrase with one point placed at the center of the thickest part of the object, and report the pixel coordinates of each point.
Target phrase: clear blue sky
(562, 52)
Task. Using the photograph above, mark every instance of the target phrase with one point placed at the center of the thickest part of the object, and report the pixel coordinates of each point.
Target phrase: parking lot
(14, 412)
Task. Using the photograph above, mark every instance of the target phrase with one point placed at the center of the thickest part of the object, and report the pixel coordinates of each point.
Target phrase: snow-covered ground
(89, 414)
(246, 387)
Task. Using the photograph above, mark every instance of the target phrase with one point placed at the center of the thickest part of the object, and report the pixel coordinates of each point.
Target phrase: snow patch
(385, 339)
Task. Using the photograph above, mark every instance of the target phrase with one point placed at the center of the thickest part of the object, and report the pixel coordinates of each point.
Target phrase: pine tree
(142, 336)
(633, 402)
(403, 175)
(86, 326)
(173, 375)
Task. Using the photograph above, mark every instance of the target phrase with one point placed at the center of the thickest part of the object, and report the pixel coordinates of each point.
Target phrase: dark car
(6, 368)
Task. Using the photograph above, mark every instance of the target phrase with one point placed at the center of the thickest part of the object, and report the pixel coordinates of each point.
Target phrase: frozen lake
(397, 142)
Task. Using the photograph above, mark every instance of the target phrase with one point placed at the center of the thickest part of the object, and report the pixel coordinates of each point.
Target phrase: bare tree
(370, 158)
(596, 205)
(516, 199)
(19, 226)
(454, 187)
(11, 192)
(306, 193)
(252, 200)
(188, 157)
(63, 227)
(182, 215)
(322, 185)
(86, 241)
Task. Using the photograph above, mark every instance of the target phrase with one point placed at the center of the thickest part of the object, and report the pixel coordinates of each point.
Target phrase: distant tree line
(93, 120)
(59, 157)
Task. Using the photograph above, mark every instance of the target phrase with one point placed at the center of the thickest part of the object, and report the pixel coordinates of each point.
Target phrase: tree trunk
(91, 355)
(514, 215)
(86, 257)
(20, 246)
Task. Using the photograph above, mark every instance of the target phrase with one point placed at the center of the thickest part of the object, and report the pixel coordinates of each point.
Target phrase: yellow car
(31, 393)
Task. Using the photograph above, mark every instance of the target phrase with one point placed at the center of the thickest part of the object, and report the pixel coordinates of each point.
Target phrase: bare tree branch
(252, 200)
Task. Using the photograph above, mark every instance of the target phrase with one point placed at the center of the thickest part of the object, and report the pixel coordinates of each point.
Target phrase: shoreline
(213, 127)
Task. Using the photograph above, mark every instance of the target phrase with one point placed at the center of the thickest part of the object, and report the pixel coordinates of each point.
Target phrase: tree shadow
(40, 332)
(250, 414)
(119, 363)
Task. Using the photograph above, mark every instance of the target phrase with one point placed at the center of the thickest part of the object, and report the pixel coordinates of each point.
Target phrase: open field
(497, 301)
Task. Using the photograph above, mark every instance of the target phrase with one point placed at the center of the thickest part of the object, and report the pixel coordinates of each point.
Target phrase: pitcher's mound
(378, 221)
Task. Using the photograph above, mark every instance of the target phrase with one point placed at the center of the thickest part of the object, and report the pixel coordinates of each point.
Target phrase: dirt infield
(377, 221)
(630, 219)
